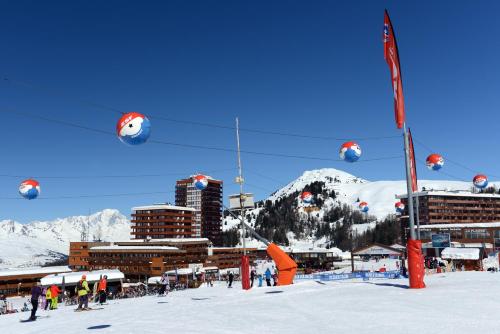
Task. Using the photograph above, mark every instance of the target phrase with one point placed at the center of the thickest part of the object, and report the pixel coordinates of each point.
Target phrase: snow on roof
(377, 250)
(314, 250)
(462, 193)
(466, 225)
(209, 269)
(154, 280)
(172, 240)
(180, 271)
(34, 271)
(397, 246)
(162, 207)
(117, 247)
(463, 245)
(73, 277)
(460, 253)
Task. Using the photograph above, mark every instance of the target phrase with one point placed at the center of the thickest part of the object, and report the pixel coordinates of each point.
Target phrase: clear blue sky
(309, 67)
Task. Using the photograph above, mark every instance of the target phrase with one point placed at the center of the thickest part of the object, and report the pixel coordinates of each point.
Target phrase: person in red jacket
(54, 292)
(102, 289)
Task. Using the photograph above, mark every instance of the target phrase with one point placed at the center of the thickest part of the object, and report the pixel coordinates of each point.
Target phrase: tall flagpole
(239, 180)
(408, 183)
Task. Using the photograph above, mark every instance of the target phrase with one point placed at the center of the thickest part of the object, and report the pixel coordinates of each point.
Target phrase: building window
(477, 234)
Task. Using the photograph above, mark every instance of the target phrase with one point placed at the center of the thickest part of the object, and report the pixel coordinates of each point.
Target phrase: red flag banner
(413, 165)
(391, 56)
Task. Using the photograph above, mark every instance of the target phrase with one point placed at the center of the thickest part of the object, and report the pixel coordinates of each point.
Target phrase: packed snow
(452, 303)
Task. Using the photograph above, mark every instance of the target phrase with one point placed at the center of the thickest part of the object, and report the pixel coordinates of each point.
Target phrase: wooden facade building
(162, 221)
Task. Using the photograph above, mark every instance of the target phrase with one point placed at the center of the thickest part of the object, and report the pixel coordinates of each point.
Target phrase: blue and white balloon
(29, 189)
(350, 151)
(133, 128)
(200, 182)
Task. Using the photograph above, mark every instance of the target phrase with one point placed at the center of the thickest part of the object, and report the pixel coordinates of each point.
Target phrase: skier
(83, 291)
(252, 277)
(164, 282)
(36, 292)
(230, 279)
(260, 280)
(268, 277)
(102, 289)
(48, 299)
(54, 292)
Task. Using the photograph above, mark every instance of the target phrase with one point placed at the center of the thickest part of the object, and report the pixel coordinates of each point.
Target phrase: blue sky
(314, 68)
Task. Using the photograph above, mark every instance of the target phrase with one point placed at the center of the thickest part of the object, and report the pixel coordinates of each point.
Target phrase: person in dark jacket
(230, 278)
(252, 277)
(36, 292)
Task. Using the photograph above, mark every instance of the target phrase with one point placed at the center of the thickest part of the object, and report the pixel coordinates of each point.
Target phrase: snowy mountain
(380, 195)
(333, 188)
(39, 242)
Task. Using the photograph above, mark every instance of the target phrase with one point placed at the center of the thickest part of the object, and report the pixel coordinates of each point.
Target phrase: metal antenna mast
(240, 181)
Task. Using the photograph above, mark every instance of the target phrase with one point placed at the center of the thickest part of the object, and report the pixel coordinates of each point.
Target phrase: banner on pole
(413, 165)
(391, 56)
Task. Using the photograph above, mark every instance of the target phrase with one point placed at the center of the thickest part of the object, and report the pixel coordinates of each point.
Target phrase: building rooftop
(460, 253)
(131, 248)
(461, 193)
(162, 207)
(464, 225)
(34, 271)
(170, 240)
(73, 277)
(376, 249)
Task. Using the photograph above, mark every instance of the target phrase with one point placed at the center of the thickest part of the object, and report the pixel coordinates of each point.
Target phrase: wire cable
(90, 196)
(421, 144)
(69, 177)
(196, 123)
(192, 146)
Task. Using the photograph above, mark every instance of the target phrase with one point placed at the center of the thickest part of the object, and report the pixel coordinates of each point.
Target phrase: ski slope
(453, 303)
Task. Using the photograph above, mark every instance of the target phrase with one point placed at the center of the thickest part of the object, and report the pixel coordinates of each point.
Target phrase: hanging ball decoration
(306, 197)
(480, 181)
(29, 189)
(350, 151)
(200, 182)
(434, 162)
(400, 207)
(133, 128)
(363, 207)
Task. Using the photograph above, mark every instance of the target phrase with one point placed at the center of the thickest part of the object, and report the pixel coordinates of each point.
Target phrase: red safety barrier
(245, 272)
(416, 267)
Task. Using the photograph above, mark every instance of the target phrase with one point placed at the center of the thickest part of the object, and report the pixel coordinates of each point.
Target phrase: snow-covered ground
(454, 303)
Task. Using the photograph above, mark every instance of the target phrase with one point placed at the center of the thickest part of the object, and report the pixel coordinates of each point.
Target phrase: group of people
(50, 295)
(83, 292)
(268, 276)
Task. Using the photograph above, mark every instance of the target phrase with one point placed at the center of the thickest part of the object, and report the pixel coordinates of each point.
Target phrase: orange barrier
(286, 266)
(416, 267)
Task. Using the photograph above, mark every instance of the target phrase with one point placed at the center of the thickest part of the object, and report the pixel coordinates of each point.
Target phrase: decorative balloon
(363, 207)
(29, 189)
(350, 151)
(434, 161)
(200, 182)
(480, 181)
(306, 197)
(133, 128)
(400, 207)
